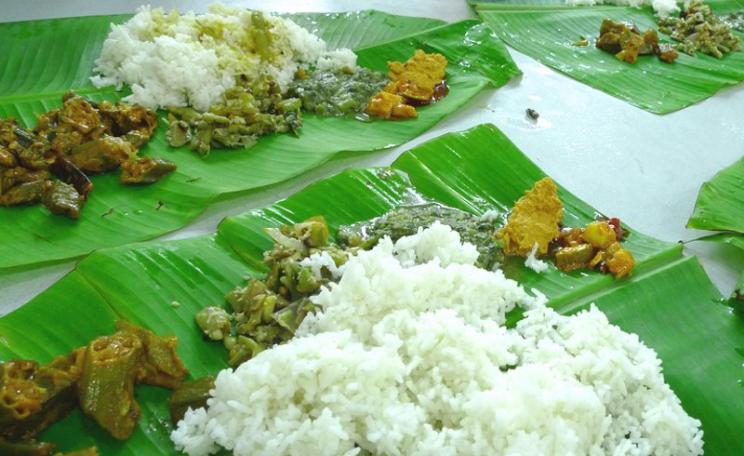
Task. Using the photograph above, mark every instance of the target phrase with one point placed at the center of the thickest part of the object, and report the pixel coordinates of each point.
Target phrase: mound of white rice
(179, 60)
(410, 356)
(662, 7)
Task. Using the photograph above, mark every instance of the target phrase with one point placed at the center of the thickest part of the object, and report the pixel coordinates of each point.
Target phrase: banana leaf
(669, 301)
(720, 202)
(44, 59)
(360, 29)
(720, 207)
(546, 30)
(737, 241)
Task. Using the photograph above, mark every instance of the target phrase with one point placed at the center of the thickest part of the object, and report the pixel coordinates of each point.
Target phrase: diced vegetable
(535, 219)
(574, 257)
(599, 234)
(267, 311)
(417, 82)
(62, 199)
(247, 111)
(214, 322)
(106, 386)
(627, 43)
(620, 262)
(145, 170)
(192, 394)
(535, 223)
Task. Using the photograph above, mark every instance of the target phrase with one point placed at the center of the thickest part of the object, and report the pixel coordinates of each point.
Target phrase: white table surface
(626, 162)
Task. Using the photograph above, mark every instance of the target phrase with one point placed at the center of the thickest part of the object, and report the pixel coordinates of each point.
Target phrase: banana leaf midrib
(92, 284)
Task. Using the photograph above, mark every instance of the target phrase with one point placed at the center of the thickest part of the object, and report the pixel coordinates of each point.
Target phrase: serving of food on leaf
(457, 302)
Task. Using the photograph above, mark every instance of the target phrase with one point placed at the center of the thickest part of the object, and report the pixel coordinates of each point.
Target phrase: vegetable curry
(99, 378)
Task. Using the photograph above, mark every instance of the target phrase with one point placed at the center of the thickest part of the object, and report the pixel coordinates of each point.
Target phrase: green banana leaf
(43, 59)
(720, 207)
(546, 30)
(737, 241)
(720, 202)
(669, 301)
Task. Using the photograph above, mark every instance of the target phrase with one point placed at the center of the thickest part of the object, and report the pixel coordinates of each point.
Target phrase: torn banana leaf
(737, 241)
(668, 301)
(720, 202)
(44, 59)
(548, 31)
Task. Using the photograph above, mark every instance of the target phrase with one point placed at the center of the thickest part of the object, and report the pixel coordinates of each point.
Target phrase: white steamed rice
(410, 356)
(168, 61)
